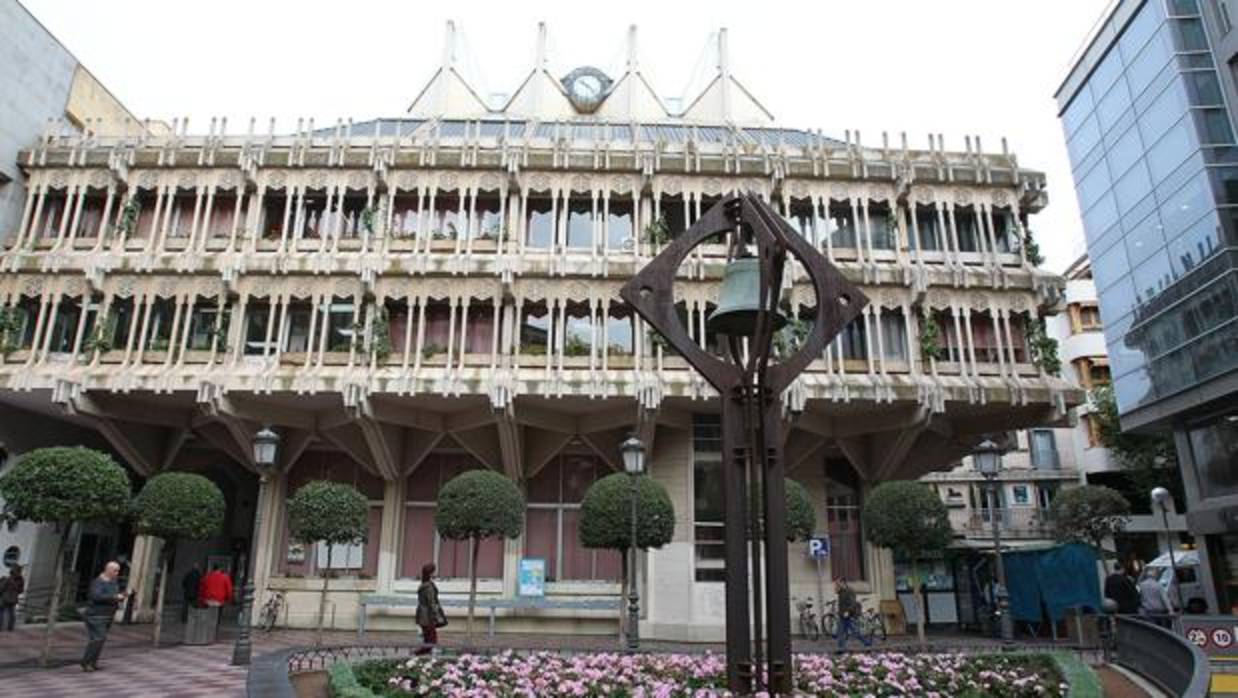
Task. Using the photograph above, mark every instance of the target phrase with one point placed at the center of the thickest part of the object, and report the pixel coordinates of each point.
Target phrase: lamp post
(750, 381)
(266, 446)
(988, 459)
(633, 452)
(1160, 500)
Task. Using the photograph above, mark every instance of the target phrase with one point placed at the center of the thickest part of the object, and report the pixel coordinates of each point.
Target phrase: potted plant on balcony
(10, 330)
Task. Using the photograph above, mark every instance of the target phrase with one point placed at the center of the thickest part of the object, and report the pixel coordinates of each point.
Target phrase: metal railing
(1014, 522)
(1161, 656)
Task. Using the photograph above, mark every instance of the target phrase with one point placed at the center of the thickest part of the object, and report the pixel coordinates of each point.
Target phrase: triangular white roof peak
(629, 97)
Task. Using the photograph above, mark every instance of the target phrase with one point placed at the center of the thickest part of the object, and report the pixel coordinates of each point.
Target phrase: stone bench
(515, 603)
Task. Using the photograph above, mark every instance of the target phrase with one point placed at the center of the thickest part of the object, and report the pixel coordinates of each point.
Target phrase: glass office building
(1148, 115)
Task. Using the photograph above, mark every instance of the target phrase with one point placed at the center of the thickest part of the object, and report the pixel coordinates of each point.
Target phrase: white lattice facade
(404, 298)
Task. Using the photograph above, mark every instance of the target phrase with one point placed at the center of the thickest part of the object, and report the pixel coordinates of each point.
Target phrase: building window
(1045, 495)
(422, 542)
(842, 520)
(893, 335)
(708, 526)
(1021, 495)
(1084, 317)
(1043, 449)
(296, 559)
(553, 521)
(1093, 372)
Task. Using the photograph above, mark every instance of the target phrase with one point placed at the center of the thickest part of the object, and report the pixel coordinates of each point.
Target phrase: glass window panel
(1099, 218)
(1091, 187)
(1183, 7)
(1203, 89)
(1144, 238)
(1163, 113)
(1080, 144)
(1152, 91)
(1112, 105)
(1133, 390)
(1106, 73)
(1189, 35)
(1119, 298)
(1213, 125)
(1125, 151)
(1078, 110)
(1149, 67)
(1186, 205)
(1199, 243)
(1132, 187)
(1173, 147)
(1152, 277)
(1139, 30)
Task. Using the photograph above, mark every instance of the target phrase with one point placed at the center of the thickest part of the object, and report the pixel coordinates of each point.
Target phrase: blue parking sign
(819, 547)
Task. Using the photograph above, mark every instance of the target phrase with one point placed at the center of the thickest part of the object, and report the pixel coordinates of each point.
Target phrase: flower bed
(546, 675)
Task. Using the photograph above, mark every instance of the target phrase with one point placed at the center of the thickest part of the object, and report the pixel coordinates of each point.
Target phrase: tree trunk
(917, 588)
(474, 544)
(163, 586)
(623, 600)
(53, 605)
(322, 603)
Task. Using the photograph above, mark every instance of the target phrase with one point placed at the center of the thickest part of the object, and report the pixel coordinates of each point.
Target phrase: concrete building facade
(403, 299)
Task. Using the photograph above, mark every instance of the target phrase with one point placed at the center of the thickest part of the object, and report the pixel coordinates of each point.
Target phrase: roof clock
(586, 88)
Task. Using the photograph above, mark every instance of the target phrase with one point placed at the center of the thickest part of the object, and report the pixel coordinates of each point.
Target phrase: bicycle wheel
(879, 627)
(829, 624)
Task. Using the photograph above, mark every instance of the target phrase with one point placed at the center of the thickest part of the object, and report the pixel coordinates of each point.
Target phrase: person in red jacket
(215, 589)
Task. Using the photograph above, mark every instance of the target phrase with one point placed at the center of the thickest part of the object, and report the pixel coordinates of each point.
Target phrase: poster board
(532, 577)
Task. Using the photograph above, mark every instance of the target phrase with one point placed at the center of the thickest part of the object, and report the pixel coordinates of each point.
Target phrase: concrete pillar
(266, 539)
(143, 565)
(392, 536)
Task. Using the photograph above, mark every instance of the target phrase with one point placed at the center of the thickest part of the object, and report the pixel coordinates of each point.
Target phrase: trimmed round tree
(606, 519)
(1089, 514)
(474, 505)
(910, 519)
(61, 486)
(173, 507)
(801, 517)
(331, 513)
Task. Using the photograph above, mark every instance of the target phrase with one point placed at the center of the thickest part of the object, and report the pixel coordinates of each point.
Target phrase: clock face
(587, 88)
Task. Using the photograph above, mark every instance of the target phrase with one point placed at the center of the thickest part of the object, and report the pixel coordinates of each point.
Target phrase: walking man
(849, 611)
(105, 596)
(1120, 588)
(11, 588)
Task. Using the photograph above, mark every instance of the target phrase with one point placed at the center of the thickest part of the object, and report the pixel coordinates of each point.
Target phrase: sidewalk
(131, 667)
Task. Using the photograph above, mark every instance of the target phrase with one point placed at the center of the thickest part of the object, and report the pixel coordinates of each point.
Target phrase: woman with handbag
(430, 614)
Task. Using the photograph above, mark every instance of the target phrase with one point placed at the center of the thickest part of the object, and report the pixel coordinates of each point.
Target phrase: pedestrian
(848, 616)
(105, 595)
(11, 588)
(1120, 588)
(215, 589)
(1153, 599)
(430, 616)
(189, 587)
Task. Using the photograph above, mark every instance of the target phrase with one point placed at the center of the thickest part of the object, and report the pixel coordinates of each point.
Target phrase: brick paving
(131, 667)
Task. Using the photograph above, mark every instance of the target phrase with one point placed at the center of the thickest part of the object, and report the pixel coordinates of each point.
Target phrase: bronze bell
(739, 301)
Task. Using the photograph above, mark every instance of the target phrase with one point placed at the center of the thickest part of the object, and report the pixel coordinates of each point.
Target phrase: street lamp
(988, 460)
(633, 452)
(266, 447)
(1161, 500)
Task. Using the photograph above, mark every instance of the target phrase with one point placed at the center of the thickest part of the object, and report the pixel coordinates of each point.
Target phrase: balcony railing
(1016, 522)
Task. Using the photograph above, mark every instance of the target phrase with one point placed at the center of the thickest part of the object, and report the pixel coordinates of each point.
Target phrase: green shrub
(60, 486)
(801, 517)
(606, 514)
(475, 505)
(342, 683)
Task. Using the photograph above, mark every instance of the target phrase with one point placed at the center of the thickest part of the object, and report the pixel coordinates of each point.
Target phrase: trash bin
(202, 626)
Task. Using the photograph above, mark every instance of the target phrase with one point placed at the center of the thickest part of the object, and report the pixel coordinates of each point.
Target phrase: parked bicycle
(872, 625)
(270, 611)
(829, 619)
(810, 627)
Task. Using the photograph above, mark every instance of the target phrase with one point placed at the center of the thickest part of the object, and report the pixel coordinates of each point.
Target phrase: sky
(955, 67)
